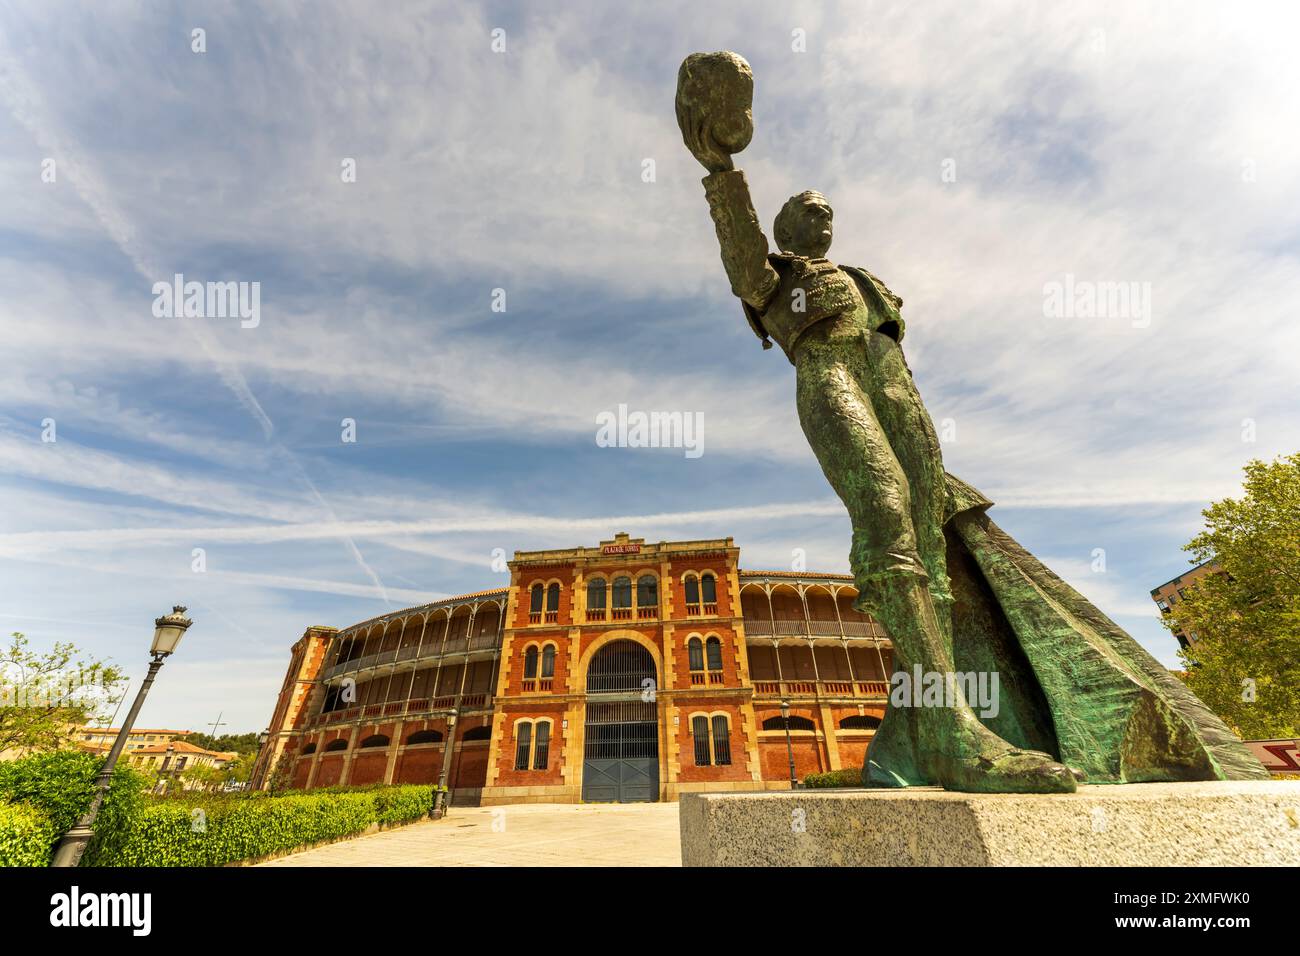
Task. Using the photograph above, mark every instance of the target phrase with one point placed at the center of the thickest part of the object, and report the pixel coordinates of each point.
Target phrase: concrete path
(535, 834)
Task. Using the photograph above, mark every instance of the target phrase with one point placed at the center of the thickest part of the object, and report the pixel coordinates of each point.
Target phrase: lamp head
(168, 631)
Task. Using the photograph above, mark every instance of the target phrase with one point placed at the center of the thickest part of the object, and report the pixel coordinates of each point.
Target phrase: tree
(1244, 622)
(46, 697)
(226, 743)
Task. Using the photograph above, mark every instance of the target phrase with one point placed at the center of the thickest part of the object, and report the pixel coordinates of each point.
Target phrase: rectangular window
(542, 751)
(524, 734)
(721, 742)
(700, 731)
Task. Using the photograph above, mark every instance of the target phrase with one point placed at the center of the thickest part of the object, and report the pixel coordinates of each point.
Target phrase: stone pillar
(394, 747)
(829, 735)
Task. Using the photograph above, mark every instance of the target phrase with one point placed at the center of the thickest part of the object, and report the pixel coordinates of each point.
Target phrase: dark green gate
(621, 738)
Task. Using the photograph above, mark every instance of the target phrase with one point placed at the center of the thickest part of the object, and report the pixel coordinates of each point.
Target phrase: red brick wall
(507, 775)
(807, 757)
(419, 764)
(471, 764)
(327, 774)
(685, 743)
(721, 571)
(681, 653)
(368, 766)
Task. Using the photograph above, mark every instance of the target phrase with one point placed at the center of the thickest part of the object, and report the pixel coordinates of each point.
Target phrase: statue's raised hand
(715, 92)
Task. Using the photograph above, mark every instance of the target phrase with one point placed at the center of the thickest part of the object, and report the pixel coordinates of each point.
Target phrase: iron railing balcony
(758, 627)
(871, 689)
(397, 708)
(483, 642)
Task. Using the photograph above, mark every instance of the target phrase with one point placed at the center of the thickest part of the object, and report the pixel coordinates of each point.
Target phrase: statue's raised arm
(714, 94)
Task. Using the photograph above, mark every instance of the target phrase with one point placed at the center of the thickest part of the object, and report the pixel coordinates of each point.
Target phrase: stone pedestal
(1232, 823)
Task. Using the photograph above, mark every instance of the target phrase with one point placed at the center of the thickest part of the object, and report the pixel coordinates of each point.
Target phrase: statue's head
(803, 226)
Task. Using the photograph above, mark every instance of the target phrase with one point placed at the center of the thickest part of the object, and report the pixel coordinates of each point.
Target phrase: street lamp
(789, 750)
(262, 738)
(442, 798)
(168, 631)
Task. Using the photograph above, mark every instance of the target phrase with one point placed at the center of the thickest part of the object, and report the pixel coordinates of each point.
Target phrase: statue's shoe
(1011, 771)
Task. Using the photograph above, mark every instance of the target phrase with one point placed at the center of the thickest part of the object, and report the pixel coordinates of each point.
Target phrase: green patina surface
(1078, 698)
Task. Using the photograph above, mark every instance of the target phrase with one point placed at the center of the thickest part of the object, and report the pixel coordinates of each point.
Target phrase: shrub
(60, 785)
(26, 835)
(849, 777)
(403, 804)
(212, 830)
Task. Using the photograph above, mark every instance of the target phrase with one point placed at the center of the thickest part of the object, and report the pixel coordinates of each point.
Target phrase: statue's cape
(882, 302)
(1072, 681)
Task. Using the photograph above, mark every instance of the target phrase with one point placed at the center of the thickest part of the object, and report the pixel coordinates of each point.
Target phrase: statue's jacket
(1072, 682)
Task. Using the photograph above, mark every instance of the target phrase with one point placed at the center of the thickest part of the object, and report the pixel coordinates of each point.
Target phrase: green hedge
(26, 835)
(213, 831)
(59, 786)
(835, 778)
(42, 796)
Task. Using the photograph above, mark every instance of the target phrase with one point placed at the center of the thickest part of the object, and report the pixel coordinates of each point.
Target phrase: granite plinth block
(1220, 823)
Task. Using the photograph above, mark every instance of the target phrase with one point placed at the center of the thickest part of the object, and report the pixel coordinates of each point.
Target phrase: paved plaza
(537, 834)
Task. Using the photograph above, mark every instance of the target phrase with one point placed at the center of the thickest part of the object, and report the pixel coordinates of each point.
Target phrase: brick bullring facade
(627, 671)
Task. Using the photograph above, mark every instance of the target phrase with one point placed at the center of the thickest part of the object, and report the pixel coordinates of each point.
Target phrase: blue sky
(1153, 145)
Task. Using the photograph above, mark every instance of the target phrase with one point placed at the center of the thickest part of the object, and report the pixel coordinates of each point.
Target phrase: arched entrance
(621, 741)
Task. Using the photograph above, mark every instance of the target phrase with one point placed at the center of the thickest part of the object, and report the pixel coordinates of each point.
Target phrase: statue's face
(811, 232)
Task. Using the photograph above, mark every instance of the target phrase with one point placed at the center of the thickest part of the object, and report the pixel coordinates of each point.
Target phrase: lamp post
(168, 631)
(262, 738)
(789, 750)
(443, 797)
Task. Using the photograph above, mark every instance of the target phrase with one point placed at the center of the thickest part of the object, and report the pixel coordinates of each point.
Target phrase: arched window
(374, 740)
(338, 743)
(553, 598)
(477, 733)
(530, 663)
(535, 600)
(523, 744)
(796, 723)
(548, 661)
(860, 722)
(714, 750)
(647, 595)
(695, 653)
(622, 599)
(596, 599)
(721, 741)
(692, 591)
(709, 590)
(700, 731)
(309, 749)
(713, 647)
(425, 737)
(541, 750)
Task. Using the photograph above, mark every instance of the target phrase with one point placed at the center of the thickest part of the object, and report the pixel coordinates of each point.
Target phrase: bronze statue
(1081, 699)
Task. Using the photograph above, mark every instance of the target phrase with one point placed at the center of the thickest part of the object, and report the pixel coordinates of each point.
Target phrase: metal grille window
(714, 648)
(695, 652)
(620, 666)
(541, 750)
(535, 600)
(721, 741)
(523, 736)
(710, 587)
(530, 663)
(692, 590)
(596, 594)
(622, 592)
(700, 731)
(621, 729)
